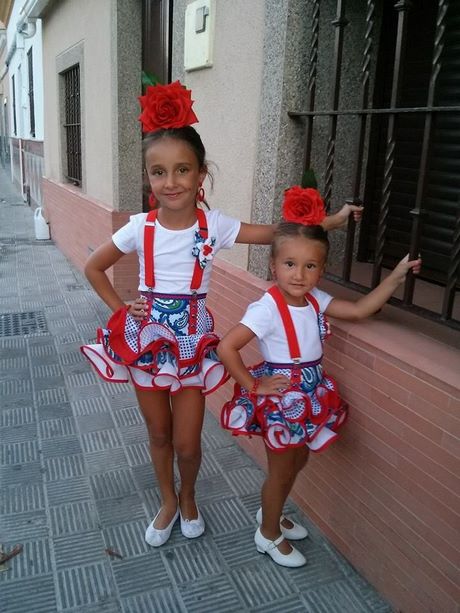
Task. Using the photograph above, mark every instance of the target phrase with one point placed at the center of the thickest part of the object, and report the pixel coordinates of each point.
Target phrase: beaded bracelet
(254, 387)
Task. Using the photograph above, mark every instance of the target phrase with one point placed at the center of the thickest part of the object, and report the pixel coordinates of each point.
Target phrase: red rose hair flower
(303, 205)
(166, 106)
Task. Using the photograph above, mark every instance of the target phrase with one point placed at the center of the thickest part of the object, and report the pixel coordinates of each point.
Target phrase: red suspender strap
(288, 324)
(203, 230)
(314, 303)
(197, 273)
(149, 233)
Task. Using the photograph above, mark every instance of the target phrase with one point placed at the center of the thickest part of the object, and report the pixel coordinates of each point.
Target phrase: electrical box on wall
(200, 18)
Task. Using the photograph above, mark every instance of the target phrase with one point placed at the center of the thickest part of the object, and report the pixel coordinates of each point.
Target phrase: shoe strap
(274, 544)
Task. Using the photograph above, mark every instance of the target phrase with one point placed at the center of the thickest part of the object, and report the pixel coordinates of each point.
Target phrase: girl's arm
(372, 302)
(228, 351)
(255, 234)
(260, 234)
(339, 219)
(98, 262)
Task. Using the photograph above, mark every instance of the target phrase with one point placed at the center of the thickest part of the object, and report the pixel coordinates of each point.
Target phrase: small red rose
(303, 205)
(166, 106)
(207, 250)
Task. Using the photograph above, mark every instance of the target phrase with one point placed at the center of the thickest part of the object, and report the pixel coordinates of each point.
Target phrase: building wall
(227, 102)
(4, 102)
(26, 147)
(386, 493)
(18, 66)
(104, 38)
(87, 25)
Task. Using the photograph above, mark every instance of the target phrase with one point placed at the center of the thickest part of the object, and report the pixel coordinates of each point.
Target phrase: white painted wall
(18, 66)
(88, 23)
(227, 102)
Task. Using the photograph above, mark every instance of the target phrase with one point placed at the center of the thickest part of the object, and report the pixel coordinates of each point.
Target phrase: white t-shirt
(174, 262)
(264, 319)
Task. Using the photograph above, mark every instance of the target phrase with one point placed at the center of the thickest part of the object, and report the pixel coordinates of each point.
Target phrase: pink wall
(79, 224)
(386, 494)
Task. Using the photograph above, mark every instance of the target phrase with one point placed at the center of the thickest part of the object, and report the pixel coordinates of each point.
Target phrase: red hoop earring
(152, 201)
(200, 196)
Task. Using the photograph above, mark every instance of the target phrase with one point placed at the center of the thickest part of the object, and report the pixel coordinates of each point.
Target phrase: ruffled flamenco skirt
(309, 413)
(159, 353)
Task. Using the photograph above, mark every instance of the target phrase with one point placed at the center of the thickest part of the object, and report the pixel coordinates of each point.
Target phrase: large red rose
(303, 205)
(166, 106)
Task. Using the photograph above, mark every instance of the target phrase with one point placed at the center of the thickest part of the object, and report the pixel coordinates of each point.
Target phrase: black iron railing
(393, 112)
(72, 123)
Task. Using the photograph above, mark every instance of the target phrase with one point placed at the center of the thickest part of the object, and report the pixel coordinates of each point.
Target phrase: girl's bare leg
(275, 490)
(156, 410)
(188, 414)
(301, 459)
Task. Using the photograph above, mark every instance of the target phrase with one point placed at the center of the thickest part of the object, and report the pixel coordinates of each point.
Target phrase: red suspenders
(288, 324)
(149, 266)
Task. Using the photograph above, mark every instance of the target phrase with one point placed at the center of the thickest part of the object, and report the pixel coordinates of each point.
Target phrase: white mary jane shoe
(155, 537)
(192, 528)
(296, 533)
(291, 560)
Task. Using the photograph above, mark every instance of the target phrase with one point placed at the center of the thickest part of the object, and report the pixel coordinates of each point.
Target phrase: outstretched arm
(340, 219)
(372, 302)
(228, 351)
(262, 234)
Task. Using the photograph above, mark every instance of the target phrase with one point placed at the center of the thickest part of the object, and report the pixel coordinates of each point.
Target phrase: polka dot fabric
(166, 355)
(303, 414)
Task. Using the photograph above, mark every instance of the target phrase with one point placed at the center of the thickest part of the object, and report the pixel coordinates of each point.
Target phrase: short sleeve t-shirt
(263, 318)
(174, 262)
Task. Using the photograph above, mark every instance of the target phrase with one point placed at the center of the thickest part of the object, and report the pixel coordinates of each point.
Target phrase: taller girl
(164, 342)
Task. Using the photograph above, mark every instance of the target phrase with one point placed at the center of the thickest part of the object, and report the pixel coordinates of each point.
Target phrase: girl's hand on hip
(272, 386)
(139, 308)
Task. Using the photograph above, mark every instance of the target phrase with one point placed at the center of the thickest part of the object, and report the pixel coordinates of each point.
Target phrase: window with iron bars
(72, 123)
(406, 162)
(31, 93)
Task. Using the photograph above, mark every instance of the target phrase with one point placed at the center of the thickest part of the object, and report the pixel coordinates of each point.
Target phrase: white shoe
(192, 528)
(155, 537)
(296, 533)
(291, 560)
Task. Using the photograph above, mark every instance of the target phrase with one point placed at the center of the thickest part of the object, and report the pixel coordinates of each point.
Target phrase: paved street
(76, 479)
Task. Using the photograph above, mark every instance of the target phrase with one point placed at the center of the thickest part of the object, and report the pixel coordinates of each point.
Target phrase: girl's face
(174, 174)
(297, 267)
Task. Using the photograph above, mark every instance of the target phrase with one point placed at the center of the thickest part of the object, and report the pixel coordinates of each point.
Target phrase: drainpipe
(21, 169)
(10, 53)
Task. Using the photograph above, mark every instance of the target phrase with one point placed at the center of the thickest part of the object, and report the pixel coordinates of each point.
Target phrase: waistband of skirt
(293, 365)
(154, 295)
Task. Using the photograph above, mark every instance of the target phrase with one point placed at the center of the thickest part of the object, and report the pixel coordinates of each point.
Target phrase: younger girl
(164, 342)
(288, 399)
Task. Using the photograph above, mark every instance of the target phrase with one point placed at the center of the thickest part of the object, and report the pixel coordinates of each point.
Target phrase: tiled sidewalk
(75, 475)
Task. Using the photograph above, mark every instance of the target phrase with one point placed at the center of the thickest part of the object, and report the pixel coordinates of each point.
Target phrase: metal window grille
(13, 88)
(72, 123)
(31, 93)
(435, 118)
